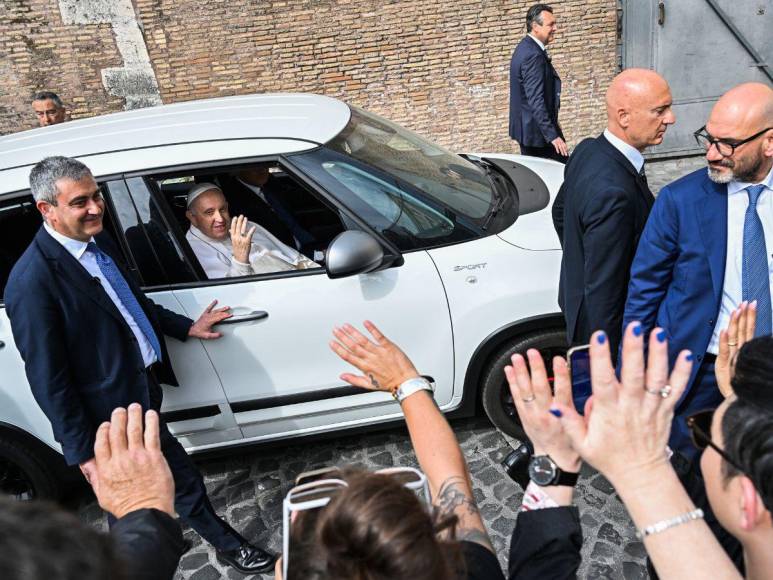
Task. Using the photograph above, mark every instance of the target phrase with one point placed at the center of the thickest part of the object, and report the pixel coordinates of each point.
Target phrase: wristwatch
(411, 386)
(543, 471)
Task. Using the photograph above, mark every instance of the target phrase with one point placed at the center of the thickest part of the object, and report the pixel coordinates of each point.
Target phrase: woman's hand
(740, 330)
(626, 434)
(385, 366)
(533, 399)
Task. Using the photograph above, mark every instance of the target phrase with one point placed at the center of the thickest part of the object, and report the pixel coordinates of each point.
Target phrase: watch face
(542, 470)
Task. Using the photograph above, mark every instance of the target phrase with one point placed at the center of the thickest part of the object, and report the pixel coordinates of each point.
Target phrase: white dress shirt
(267, 254)
(538, 41)
(631, 153)
(732, 290)
(89, 261)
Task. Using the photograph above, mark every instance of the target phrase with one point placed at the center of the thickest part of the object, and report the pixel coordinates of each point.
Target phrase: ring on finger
(732, 344)
(662, 392)
(529, 399)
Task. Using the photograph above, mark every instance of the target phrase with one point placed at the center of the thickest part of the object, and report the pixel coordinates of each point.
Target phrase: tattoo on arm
(453, 499)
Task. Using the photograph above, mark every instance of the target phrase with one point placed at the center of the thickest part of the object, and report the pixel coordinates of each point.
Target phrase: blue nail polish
(556, 413)
(661, 336)
(689, 357)
(637, 329)
(601, 338)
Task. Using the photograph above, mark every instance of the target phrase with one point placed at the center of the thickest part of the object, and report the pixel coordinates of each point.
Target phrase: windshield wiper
(499, 190)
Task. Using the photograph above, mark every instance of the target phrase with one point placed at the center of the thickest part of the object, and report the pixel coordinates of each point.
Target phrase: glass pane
(155, 249)
(20, 220)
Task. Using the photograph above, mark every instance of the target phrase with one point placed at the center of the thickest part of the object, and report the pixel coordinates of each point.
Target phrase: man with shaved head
(708, 244)
(602, 206)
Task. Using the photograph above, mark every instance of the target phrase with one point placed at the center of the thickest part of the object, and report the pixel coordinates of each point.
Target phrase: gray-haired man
(49, 108)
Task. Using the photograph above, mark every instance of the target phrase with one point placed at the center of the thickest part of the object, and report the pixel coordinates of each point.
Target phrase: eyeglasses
(315, 489)
(724, 147)
(700, 427)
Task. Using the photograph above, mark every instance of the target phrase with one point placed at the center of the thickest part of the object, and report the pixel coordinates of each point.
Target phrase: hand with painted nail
(131, 472)
(384, 365)
(534, 399)
(626, 434)
(740, 330)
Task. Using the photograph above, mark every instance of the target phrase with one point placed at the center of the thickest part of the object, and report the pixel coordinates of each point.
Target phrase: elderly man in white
(227, 248)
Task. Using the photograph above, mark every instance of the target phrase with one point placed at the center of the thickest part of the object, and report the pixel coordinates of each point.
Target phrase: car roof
(314, 119)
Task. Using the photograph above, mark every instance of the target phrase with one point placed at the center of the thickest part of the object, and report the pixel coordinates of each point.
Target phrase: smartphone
(579, 370)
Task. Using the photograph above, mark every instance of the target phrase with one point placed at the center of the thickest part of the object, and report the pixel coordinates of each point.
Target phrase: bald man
(601, 208)
(708, 244)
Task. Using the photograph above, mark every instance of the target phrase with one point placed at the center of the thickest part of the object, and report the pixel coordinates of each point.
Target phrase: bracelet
(661, 526)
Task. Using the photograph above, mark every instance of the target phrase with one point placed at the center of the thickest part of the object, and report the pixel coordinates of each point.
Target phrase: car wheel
(497, 400)
(25, 474)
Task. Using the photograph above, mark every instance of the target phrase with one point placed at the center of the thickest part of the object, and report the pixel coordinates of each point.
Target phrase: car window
(293, 227)
(157, 253)
(20, 220)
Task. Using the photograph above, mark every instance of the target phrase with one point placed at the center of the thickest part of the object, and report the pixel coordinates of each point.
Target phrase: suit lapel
(712, 216)
(73, 272)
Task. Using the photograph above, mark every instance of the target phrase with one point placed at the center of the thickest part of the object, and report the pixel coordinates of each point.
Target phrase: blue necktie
(113, 275)
(755, 275)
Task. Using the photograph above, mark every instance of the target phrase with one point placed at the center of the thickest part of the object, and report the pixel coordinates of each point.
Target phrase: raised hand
(740, 330)
(202, 328)
(131, 472)
(626, 434)
(241, 238)
(385, 366)
(534, 399)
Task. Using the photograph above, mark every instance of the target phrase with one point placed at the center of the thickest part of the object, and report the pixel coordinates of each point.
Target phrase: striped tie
(755, 275)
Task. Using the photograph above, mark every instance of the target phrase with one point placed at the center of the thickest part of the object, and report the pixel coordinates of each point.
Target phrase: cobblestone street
(247, 487)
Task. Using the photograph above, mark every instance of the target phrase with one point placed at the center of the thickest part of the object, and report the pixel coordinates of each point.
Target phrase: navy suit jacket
(535, 95)
(81, 358)
(599, 214)
(679, 269)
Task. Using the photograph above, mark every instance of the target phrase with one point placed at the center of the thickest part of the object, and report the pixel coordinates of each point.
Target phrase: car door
(274, 361)
(197, 412)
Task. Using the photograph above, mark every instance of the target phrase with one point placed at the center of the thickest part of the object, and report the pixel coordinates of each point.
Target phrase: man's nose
(670, 118)
(712, 153)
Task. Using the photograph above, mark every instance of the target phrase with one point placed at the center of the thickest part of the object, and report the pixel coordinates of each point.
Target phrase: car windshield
(413, 192)
(450, 179)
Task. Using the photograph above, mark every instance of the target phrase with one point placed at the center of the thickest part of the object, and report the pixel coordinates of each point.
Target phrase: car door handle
(254, 315)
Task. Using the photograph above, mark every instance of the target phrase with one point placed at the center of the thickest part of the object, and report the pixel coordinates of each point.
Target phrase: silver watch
(412, 386)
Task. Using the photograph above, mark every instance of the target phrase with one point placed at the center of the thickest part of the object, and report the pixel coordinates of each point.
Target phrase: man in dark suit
(705, 250)
(535, 90)
(603, 204)
(92, 341)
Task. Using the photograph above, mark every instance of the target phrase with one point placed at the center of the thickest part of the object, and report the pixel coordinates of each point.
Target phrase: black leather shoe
(248, 559)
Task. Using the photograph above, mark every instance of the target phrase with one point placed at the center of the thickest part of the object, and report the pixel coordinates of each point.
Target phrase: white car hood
(534, 231)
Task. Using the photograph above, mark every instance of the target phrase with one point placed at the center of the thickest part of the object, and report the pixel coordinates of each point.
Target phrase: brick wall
(439, 68)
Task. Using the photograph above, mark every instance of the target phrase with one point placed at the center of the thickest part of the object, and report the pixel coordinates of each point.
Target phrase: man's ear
(623, 118)
(190, 216)
(44, 208)
(753, 511)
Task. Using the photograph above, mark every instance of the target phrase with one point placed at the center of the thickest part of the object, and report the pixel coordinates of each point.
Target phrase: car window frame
(392, 256)
(117, 236)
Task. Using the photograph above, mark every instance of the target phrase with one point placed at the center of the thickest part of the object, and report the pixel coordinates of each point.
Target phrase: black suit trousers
(191, 500)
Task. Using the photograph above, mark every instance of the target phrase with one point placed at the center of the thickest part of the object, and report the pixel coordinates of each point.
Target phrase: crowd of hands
(623, 431)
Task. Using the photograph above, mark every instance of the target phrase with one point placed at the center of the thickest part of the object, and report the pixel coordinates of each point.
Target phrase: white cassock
(267, 254)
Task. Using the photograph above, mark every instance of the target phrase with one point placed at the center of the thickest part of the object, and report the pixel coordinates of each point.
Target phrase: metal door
(702, 48)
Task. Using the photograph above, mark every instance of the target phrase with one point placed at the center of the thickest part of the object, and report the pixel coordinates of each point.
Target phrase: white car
(454, 257)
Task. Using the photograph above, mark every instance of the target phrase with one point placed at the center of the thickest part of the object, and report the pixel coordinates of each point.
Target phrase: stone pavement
(247, 486)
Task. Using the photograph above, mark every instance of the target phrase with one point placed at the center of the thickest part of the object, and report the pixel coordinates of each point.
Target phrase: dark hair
(40, 540)
(46, 95)
(535, 14)
(747, 426)
(374, 529)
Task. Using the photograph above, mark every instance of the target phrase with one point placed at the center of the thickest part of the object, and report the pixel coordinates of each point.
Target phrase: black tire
(27, 472)
(496, 398)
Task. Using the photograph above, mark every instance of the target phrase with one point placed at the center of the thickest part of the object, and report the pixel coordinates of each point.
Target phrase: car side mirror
(352, 252)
